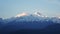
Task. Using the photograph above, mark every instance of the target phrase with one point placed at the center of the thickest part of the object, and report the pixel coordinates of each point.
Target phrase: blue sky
(10, 8)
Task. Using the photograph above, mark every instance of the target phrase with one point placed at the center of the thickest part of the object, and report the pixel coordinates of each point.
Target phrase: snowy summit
(22, 14)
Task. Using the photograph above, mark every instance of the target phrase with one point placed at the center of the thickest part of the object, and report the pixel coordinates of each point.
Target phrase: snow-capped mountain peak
(37, 13)
(22, 14)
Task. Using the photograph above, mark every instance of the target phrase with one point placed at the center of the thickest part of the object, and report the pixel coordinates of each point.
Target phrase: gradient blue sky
(10, 8)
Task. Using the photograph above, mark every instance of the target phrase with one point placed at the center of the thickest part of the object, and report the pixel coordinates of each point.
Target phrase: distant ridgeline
(32, 24)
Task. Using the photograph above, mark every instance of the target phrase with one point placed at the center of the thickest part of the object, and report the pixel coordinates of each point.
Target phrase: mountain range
(29, 23)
